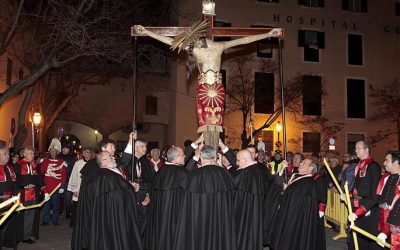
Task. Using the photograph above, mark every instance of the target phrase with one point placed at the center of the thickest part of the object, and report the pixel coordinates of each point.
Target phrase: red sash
(3, 176)
(383, 226)
(362, 166)
(395, 241)
(382, 183)
(25, 169)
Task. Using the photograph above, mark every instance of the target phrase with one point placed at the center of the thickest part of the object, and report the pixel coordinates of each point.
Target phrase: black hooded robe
(80, 234)
(163, 213)
(251, 189)
(113, 223)
(206, 220)
(295, 224)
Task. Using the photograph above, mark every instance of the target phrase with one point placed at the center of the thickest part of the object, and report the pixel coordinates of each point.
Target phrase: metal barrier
(336, 213)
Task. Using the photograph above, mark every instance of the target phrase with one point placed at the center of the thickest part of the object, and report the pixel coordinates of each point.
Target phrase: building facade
(338, 47)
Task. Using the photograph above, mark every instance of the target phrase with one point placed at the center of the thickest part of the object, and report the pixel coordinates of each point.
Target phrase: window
(352, 139)
(312, 90)
(355, 5)
(9, 71)
(265, 46)
(312, 3)
(151, 105)
(264, 93)
(311, 142)
(355, 49)
(355, 98)
(311, 41)
(222, 24)
(397, 8)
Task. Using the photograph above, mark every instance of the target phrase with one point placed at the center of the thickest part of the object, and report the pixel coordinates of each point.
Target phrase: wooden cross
(211, 32)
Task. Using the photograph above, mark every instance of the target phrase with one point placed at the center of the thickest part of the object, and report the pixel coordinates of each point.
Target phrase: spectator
(70, 160)
(75, 179)
(155, 162)
(336, 168)
(349, 166)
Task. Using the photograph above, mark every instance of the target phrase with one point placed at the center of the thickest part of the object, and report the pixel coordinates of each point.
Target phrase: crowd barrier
(336, 213)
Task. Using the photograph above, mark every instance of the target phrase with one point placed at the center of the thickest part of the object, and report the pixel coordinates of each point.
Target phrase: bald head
(244, 158)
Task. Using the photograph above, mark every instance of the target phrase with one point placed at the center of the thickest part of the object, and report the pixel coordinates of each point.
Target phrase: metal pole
(282, 99)
(134, 79)
(33, 135)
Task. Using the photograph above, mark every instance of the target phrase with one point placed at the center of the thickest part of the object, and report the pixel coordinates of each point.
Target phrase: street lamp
(36, 119)
(208, 7)
(96, 133)
(278, 129)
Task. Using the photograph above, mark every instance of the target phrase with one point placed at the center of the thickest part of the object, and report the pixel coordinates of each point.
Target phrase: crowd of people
(196, 197)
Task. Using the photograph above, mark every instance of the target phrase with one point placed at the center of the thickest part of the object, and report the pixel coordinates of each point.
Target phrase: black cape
(296, 222)
(322, 195)
(272, 202)
(114, 217)
(207, 214)
(251, 189)
(80, 234)
(8, 230)
(366, 187)
(166, 200)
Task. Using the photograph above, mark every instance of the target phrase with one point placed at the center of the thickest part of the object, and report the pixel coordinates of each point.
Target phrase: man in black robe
(206, 218)
(166, 200)
(251, 189)
(322, 196)
(364, 198)
(387, 190)
(393, 159)
(296, 222)
(269, 197)
(141, 174)
(80, 234)
(114, 216)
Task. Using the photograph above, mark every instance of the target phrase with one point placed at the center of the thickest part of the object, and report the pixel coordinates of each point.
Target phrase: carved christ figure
(206, 54)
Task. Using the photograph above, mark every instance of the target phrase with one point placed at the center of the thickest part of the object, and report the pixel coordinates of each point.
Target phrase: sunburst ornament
(211, 95)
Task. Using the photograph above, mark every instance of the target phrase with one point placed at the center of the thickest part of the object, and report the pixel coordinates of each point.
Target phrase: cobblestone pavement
(59, 238)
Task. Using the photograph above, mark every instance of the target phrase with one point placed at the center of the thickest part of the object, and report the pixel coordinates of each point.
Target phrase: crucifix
(206, 54)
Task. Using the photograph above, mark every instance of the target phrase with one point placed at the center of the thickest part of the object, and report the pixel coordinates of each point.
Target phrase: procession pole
(346, 188)
(134, 78)
(283, 101)
(9, 212)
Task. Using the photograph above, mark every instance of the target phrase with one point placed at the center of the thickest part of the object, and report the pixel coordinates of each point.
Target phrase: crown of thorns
(195, 32)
